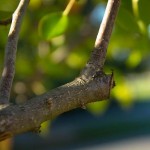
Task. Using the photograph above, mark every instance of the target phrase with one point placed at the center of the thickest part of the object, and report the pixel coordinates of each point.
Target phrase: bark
(16, 119)
(91, 85)
(10, 53)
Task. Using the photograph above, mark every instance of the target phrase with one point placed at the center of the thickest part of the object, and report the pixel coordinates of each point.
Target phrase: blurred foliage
(8, 5)
(45, 64)
(53, 25)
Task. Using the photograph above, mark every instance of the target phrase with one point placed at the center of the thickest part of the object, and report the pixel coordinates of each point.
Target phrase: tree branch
(17, 119)
(92, 85)
(98, 56)
(6, 22)
(10, 53)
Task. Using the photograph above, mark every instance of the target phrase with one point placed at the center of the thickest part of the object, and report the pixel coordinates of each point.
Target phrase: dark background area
(79, 129)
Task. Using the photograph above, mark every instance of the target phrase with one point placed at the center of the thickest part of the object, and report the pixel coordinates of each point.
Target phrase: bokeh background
(120, 123)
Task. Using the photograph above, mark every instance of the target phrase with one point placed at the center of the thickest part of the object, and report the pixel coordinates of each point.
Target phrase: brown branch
(89, 87)
(17, 119)
(98, 56)
(6, 22)
(10, 53)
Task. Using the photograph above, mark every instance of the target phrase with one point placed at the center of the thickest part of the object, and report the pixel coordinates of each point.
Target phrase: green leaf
(53, 25)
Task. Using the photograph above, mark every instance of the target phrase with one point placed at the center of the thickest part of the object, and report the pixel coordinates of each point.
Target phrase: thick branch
(10, 52)
(98, 56)
(16, 119)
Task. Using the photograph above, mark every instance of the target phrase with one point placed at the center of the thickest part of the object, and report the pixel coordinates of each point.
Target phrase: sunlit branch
(98, 56)
(10, 52)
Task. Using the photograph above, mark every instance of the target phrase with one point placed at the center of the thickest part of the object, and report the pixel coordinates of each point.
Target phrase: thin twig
(10, 52)
(68, 8)
(98, 55)
(5, 22)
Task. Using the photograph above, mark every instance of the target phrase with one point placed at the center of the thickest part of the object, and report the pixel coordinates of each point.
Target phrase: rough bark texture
(92, 85)
(98, 56)
(20, 118)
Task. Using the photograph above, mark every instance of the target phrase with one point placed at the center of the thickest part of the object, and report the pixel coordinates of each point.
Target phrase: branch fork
(91, 85)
